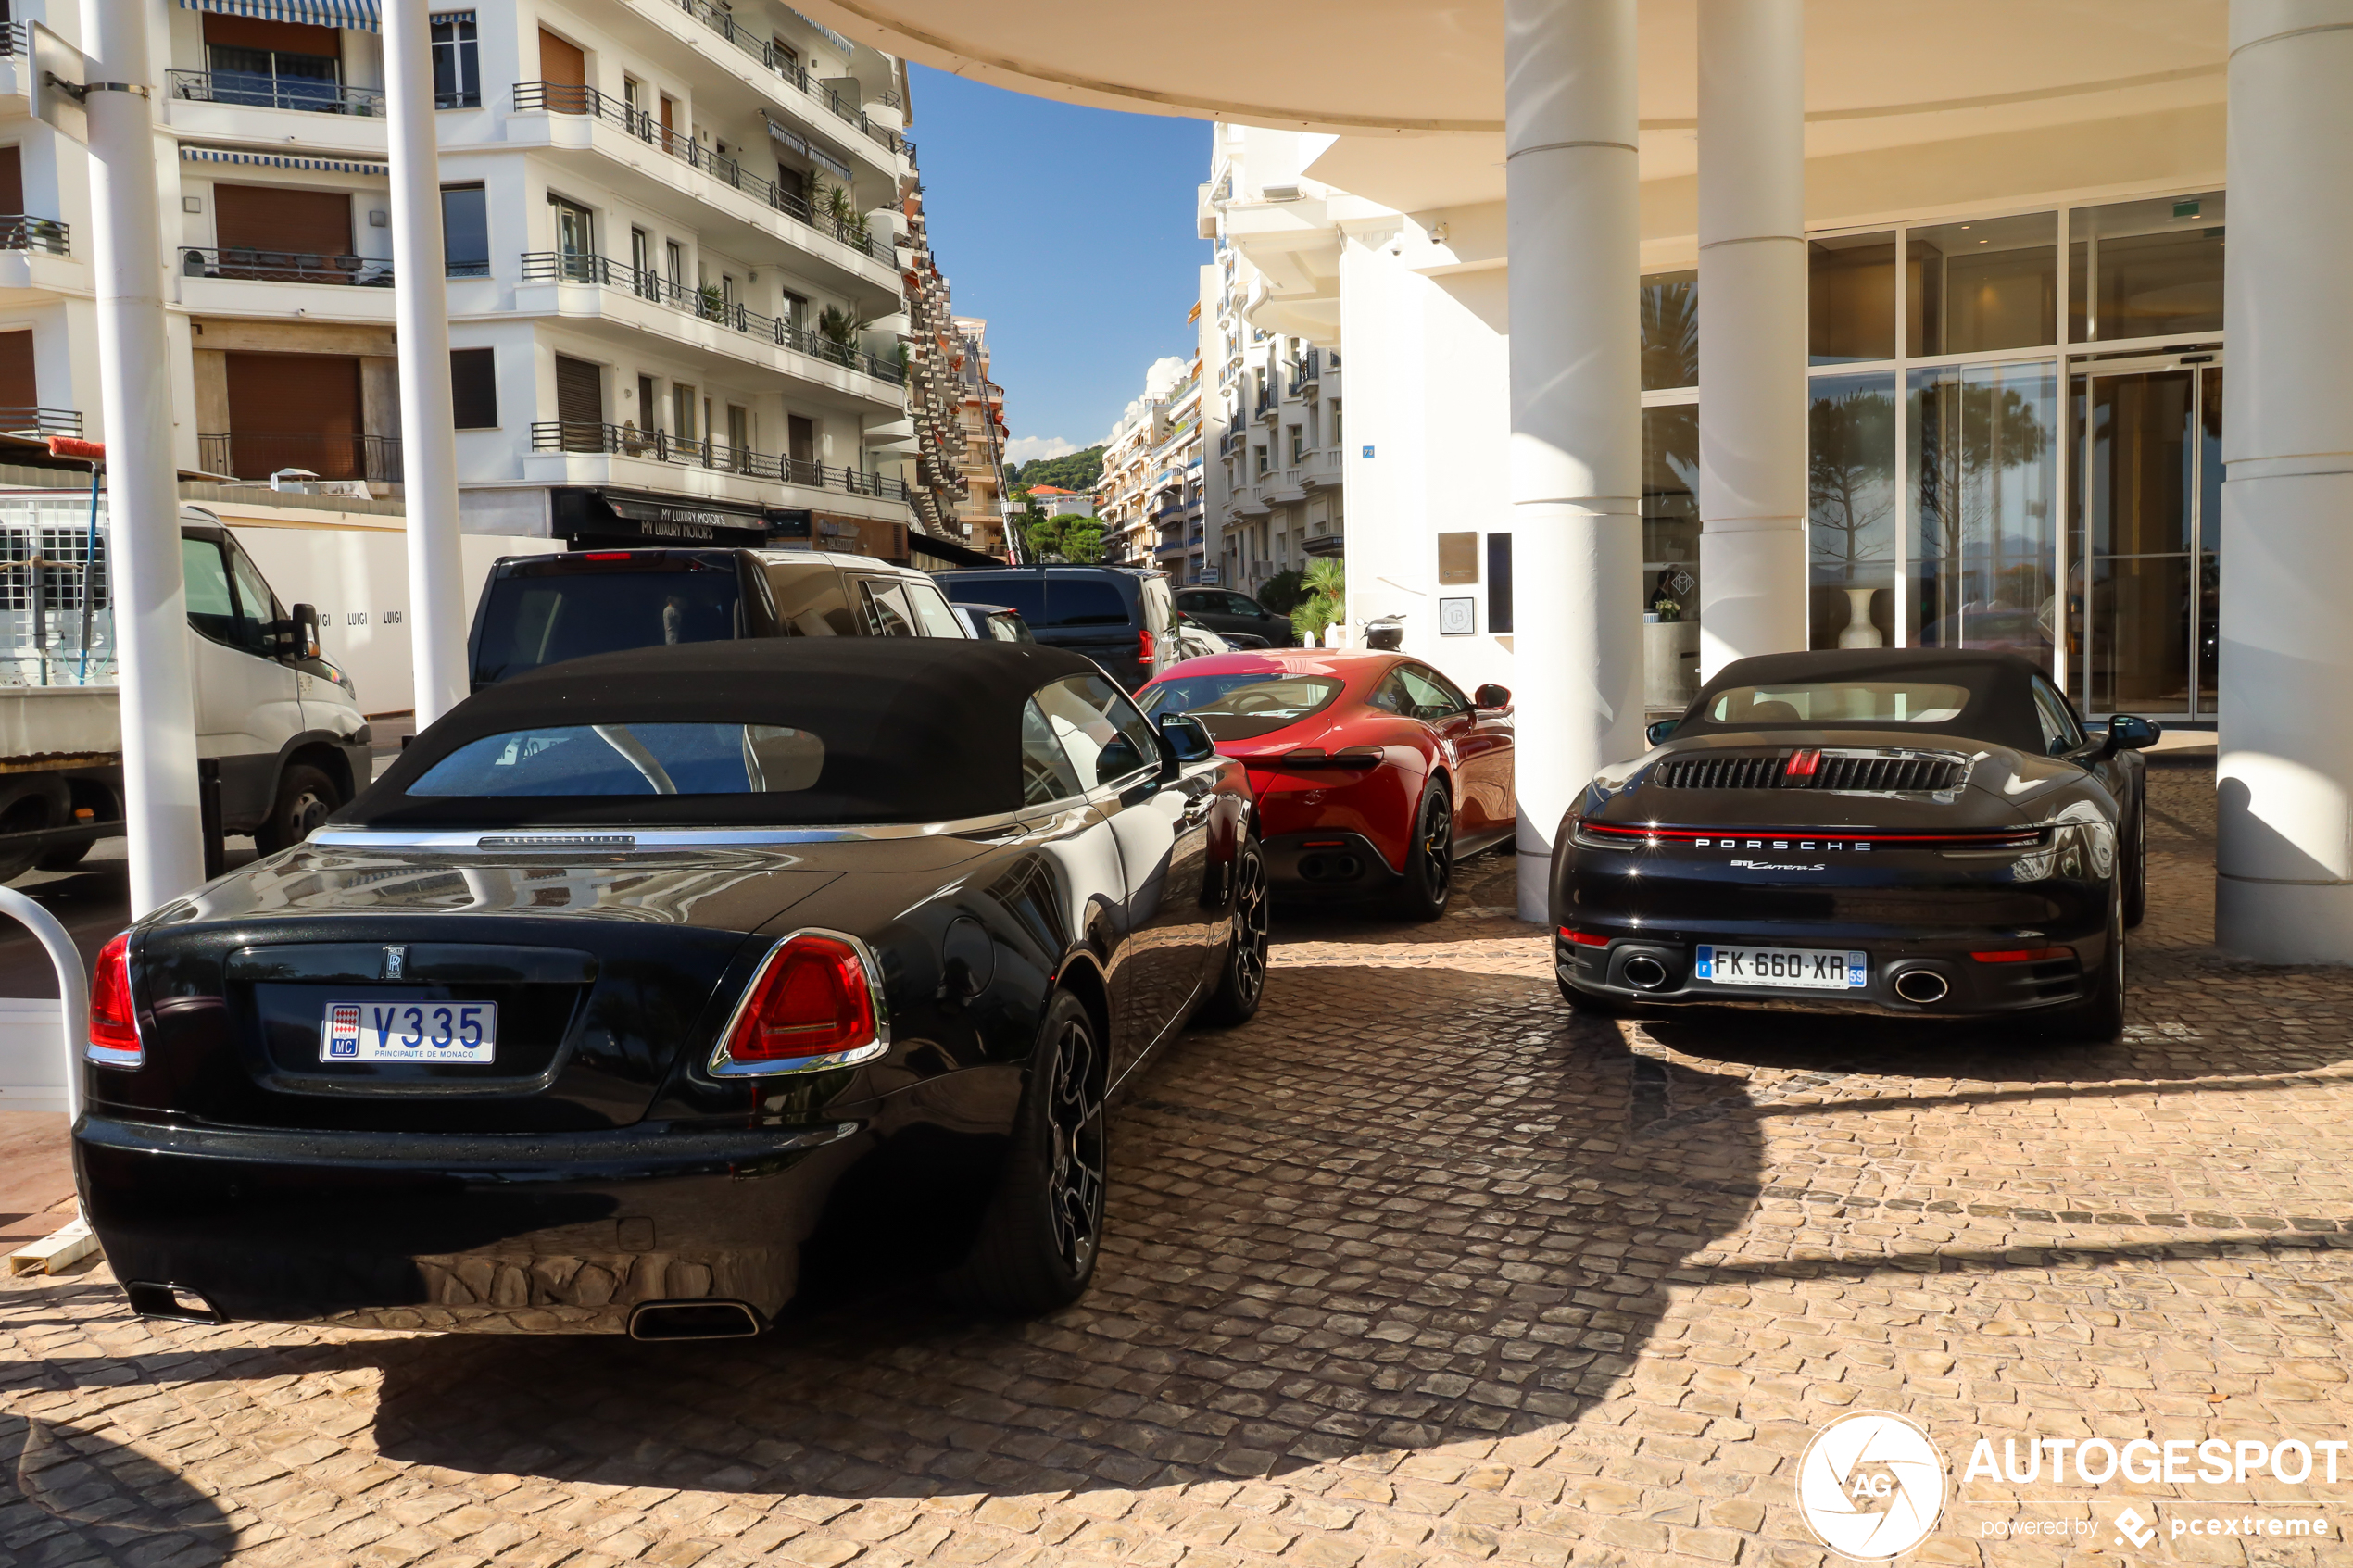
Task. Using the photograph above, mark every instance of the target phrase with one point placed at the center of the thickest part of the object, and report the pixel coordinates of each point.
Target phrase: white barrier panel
(31, 1067)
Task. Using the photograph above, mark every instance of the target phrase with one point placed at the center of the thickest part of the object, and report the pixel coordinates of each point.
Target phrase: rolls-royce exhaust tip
(172, 1303)
(693, 1320)
(1921, 987)
(1644, 972)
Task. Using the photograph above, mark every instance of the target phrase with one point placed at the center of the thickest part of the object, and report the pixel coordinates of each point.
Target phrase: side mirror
(2128, 732)
(1186, 738)
(305, 631)
(1656, 733)
(1491, 695)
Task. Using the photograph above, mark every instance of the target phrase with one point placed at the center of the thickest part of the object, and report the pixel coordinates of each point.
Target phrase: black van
(1122, 619)
(539, 609)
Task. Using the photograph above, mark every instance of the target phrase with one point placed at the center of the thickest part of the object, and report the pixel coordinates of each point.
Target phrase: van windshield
(546, 615)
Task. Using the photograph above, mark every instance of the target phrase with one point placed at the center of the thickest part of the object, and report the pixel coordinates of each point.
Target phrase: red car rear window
(1242, 705)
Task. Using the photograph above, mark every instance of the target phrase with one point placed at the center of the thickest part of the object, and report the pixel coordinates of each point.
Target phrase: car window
(1107, 738)
(2060, 732)
(258, 611)
(655, 758)
(1242, 706)
(1424, 681)
(1391, 696)
(1062, 599)
(887, 613)
(210, 609)
(1046, 772)
(1007, 627)
(1840, 702)
(535, 618)
(1199, 603)
(931, 610)
(810, 601)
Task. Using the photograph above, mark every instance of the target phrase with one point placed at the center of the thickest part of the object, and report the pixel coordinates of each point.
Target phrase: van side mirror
(2128, 732)
(1187, 738)
(1491, 695)
(1656, 733)
(304, 619)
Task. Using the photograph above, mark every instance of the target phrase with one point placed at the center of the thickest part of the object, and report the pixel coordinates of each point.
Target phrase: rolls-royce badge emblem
(396, 964)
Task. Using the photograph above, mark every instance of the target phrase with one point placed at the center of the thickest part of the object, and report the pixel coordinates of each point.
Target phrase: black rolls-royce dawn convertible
(646, 990)
(1915, 831)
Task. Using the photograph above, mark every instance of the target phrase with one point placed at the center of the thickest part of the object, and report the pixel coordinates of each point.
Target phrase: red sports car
(1372, 770)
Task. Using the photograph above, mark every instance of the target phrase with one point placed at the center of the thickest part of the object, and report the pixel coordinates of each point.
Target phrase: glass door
(2142, 575)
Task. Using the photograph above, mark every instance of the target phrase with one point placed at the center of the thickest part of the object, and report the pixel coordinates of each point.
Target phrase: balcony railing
(659, 446)
(704, 305)
(1305, 372)
(248, 455)
(284, 266)
(261, 91)
(41, 422)
(723, 22)
(18, 231)
(559, 97)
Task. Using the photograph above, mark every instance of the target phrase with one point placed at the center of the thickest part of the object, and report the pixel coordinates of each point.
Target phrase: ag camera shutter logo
(1872, 1485)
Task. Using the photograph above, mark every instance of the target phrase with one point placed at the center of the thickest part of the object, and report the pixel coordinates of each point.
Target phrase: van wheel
(305, 797)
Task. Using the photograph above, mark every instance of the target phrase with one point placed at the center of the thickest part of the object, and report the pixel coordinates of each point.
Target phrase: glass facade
(1851, 510)
(1670, 506)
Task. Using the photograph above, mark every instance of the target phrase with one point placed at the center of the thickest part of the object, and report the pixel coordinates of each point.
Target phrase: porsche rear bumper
(1972, 987)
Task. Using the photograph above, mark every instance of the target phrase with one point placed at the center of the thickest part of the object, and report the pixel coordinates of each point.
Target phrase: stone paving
(1413, 1270)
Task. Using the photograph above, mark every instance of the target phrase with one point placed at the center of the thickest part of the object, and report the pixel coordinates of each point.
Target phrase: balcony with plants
(869, 127)
(826, 353)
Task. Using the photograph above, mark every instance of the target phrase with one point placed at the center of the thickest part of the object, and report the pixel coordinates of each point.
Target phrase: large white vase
(1859, 632)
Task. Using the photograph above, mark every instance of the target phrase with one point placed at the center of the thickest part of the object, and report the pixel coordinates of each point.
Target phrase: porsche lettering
(1803, 845)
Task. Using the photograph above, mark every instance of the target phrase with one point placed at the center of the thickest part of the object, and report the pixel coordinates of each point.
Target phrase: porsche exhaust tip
(1644, 972)
(1921, 987)
(693, 1320)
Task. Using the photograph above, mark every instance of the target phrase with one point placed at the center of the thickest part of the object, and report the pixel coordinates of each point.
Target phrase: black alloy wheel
(1241, 983)
(1429, 859)
(2098, 1019)
(305, 796)
(1043, 1232)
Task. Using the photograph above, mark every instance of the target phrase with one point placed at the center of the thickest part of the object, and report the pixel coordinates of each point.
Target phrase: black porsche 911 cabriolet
(645, 990)
(1915, 831)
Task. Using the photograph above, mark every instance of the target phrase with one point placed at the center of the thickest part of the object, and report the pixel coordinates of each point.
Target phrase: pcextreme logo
(1872, 1485)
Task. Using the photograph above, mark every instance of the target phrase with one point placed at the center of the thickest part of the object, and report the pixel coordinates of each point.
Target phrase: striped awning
(828, 34)
(360, 13)
(810, 148)
(282, 160)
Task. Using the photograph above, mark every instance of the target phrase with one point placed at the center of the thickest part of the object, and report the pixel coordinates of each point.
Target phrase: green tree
(1072, 470)
(1282, 591)
(1326, 602)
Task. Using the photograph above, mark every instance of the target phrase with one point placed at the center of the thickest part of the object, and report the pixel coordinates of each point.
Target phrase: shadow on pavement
(68, 1496)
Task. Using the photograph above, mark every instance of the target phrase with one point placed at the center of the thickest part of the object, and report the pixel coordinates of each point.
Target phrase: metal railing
(20, 231)
(723, 21)
(44, 421)
(330, 454)
(705, 305)
(660, 446)
(284, 266)
(1306, 371)
(559, 98)
(254, 89)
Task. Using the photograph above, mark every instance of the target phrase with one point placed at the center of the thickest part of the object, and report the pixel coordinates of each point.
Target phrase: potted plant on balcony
(838, 330)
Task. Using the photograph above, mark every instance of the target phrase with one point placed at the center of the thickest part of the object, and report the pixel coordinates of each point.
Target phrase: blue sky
(1071, 230)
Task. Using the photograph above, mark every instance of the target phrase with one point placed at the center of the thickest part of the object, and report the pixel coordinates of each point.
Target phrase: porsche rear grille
(1828, 770)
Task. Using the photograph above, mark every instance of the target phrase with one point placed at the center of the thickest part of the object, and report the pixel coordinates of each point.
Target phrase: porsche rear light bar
(1619, 834)
(816, 1002)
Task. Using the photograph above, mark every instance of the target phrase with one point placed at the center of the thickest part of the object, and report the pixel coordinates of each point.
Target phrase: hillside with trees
(1072, 470)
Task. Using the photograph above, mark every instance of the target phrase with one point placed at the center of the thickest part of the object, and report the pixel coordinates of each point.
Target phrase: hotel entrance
(2144, 577)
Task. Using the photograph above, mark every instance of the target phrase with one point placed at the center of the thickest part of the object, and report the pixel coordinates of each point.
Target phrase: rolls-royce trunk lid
(403, 989)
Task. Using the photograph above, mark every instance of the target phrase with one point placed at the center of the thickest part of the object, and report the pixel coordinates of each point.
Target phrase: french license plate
(455, 1032)
(1807, 968)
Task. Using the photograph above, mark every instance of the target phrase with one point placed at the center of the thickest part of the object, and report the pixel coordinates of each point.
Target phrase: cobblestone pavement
(1411, 1269)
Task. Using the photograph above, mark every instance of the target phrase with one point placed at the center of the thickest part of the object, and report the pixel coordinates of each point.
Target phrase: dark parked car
(537, 611)
(643, 993)
(1121, 619)
(1916, 831)
(1227, 613)
(993, 621)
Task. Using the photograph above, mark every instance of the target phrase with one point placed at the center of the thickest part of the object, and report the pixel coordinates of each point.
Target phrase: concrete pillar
(2284, 894)
(1752, 329)
(1576, 449)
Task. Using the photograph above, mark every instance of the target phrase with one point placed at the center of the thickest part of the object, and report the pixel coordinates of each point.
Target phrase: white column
(2284, 894)
(1752, 329)
(421, 312)
(1575, 452)
(160, 808)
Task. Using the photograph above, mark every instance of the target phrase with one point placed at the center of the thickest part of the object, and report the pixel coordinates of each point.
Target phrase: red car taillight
(1583, 938)
(114, 1019)
(1144, 645)
(813, 1003)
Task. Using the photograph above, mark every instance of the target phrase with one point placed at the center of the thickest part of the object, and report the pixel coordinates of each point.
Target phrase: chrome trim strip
(721, 1066)
(507, 841)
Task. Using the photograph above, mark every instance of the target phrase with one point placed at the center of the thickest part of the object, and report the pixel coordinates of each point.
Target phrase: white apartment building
(980, 404)
(671, 231)
(1273, 416)
(1151, 494)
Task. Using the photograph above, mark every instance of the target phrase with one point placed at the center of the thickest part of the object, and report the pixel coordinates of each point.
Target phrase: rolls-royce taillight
(114, 1019)
(816, 1002)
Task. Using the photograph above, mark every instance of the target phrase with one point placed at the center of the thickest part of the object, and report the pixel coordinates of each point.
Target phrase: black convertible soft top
(2001, 687)
(915, 730)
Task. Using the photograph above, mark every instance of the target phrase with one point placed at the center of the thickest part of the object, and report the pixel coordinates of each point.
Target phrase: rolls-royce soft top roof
(2000, 686)
(913, 730)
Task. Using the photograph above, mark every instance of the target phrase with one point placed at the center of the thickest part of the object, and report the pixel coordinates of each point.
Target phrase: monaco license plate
(452, 1032)
(1806, 968)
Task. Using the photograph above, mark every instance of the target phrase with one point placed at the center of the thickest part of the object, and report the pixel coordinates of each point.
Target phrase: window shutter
(271, 217)
(580, 404)
(473, 387)
(295, 410)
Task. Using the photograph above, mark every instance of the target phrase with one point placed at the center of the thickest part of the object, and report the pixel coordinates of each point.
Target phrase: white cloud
(1166, 373)
(1029, 448)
